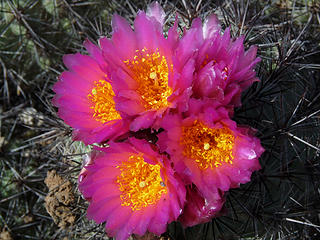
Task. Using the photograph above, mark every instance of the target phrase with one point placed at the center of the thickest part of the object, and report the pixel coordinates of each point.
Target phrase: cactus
(282, 199)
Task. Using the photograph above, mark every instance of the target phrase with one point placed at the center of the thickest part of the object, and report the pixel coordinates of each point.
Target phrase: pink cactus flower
(222, 69)
(84, 97)
(210, 150)
(132, 188)
(188, 86)
(141, 62)
(198, 209)
(134, 78)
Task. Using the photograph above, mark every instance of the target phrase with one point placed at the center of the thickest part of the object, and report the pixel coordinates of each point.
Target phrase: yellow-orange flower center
(209, 147)
(140, 183)
(150, 71)
(101, 97)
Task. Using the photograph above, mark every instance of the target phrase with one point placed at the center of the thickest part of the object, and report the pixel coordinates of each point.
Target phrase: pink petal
(77, 119)
(82, 61)
(118, 219)
(96, 53)
(88, 73)
(156, 11)
(100, 211)
(70, 83)
(211, 26)
(73, 103)
(110, 53)
(173, 34)
(142, 122)
(127, 106)
(100, 193)
(187, 75)
(143, 224)
(123, 37)
(159, 222)
(148, 34)
(122, 81)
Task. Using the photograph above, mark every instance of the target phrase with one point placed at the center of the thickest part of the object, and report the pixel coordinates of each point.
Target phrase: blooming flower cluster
(183, 88)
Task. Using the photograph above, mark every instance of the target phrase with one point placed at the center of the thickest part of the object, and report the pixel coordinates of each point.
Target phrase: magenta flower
(84, 97)
(209, 150)
(198, 209)
(221, 67)
(145, 78)
(132, 188)
(188, 86)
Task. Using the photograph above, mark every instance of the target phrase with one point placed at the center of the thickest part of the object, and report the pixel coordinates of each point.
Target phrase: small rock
(5, 235)
(58, 200)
